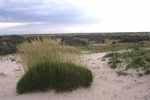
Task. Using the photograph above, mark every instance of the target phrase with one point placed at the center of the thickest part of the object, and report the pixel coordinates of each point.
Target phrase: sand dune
(107, 84)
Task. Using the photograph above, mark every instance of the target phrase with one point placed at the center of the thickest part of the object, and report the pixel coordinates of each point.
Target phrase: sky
(60, 16)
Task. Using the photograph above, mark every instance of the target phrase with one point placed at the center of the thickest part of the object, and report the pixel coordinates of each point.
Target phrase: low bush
(7, 48)
(57, 76)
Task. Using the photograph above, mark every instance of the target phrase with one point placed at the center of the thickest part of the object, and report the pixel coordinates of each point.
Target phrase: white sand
(107, 84)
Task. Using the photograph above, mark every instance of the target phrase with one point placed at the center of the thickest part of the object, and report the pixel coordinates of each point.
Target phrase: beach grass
(49, 65)
(136, 58)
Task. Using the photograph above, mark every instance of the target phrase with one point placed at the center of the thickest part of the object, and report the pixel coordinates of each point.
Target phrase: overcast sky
(49, 16)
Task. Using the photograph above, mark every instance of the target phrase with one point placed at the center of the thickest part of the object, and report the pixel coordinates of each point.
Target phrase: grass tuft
(52, 66)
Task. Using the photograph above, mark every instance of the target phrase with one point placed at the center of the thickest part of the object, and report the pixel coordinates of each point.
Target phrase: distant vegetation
(95, 42)
(49, 65)
(8, 44)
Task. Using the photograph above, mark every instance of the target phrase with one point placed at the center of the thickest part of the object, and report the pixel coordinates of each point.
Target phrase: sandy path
(10, 72)
(107, 84)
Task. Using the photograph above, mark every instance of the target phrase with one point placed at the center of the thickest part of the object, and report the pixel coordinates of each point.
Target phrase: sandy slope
(107, 84)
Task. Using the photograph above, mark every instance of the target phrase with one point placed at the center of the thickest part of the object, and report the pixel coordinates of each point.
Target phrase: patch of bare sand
(107, 84)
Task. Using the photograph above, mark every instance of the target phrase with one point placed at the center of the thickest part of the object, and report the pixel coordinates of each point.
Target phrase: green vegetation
(107, 46)
(136, 58)
(57, 76)
(52, 66)
(8, 46)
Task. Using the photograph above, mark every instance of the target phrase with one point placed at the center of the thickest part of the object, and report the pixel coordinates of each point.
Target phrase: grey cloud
(50, 11)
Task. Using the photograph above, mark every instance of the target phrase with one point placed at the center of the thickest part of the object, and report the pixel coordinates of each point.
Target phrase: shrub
(57, 76)
(7, 48)
(52, 66)
(8, 44)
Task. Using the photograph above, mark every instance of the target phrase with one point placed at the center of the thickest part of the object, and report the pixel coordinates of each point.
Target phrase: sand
(107, 85)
